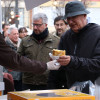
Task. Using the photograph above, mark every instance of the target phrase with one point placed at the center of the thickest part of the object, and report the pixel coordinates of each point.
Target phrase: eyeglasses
(37, 25)
(60, 24)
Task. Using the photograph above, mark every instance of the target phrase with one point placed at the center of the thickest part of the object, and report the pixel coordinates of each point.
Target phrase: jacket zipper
(75, 48)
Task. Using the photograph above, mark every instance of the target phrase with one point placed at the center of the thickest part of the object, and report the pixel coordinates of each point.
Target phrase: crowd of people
(29, 62)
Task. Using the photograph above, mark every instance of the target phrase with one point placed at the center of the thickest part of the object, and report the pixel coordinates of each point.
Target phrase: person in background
(13, 41)
(5, 27)
(22, 32)
(38, 46)
(82, 45)
(61, 25)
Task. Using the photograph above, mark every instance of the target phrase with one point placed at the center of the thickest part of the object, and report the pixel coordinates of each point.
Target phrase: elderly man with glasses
(38, 46)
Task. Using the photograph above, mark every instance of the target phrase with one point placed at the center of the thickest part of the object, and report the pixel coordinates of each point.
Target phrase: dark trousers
(9, 86)
(18, 85)
(33, 87)
(9, 83)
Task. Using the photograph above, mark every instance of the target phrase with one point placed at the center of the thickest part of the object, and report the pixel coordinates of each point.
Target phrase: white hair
(42, 16)
(11, 28)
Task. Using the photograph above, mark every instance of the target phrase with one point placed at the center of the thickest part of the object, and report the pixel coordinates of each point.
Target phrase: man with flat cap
(82, 44)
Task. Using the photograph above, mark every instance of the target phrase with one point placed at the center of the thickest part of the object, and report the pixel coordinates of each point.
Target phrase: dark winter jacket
(84, 49)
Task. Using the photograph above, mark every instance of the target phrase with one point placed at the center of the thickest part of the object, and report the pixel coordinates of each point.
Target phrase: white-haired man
(38, 46)
(13, 41)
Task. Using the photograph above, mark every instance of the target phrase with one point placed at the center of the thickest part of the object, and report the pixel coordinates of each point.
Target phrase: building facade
(9, 12)
(53, 9)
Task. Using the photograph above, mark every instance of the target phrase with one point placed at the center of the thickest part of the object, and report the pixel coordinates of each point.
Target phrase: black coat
(84, 49)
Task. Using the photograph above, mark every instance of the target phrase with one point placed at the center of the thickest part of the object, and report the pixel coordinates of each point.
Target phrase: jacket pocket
(28, 45)
(51, 45)
(28, 49)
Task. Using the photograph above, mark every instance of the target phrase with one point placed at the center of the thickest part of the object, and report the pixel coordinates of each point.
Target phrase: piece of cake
(57, 52)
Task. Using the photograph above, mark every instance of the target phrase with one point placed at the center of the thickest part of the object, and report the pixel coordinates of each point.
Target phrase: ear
(8, 35)
(85, 15)
(46, 25)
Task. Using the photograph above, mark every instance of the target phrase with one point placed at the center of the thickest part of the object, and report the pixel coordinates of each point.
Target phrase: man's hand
(51, 65)
(64, 60)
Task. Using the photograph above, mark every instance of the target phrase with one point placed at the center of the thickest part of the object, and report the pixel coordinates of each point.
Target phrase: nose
(25, 33)
(35, 27)
(59, 26)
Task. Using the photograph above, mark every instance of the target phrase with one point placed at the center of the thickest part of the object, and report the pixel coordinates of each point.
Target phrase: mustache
(35, 30)
(59, 29)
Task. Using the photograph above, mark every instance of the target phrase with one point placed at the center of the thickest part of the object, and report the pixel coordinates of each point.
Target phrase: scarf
(41, 36)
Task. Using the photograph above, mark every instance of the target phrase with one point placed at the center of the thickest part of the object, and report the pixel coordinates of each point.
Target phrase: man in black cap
(82, 45)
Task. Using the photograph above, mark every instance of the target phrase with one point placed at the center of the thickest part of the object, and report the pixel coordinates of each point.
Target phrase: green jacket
(34, 50)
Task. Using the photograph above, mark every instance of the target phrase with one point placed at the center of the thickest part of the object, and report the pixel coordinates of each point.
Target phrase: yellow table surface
(59, 94)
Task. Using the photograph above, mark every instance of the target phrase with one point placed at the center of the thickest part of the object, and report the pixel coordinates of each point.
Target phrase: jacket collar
(40, 36)
(47, 39)
(81, 30)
